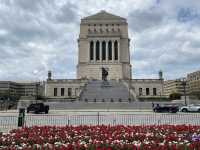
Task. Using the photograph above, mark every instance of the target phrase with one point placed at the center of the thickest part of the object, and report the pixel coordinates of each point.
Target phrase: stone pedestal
(105, 84)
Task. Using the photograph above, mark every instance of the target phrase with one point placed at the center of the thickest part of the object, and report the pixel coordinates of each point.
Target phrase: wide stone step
(99, 90)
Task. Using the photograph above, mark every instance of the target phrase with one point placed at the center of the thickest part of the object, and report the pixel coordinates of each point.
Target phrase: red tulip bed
(104, 137)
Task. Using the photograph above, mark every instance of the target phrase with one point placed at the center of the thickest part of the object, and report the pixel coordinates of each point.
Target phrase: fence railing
(10, 122)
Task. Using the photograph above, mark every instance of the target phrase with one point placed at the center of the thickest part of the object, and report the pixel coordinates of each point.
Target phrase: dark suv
(166, 108)
(38, 108)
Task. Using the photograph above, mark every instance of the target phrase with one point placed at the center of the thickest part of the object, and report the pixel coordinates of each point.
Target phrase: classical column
(113, 52)
(94, 50)
(89, 51)
(106, 51)
(100, 49)
(118, 50)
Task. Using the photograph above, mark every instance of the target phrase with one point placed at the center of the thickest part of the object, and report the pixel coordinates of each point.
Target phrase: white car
(190, 108)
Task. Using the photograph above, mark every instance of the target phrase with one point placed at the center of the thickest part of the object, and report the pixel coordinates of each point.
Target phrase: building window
(110, 50)
(147, 91)
(62, 91)
(154, 91)
(91, 50)
(116, 50)
(55, 91)
(140, 91)
(103, 50)
(69, 92)
(76, 91)
(97, 51)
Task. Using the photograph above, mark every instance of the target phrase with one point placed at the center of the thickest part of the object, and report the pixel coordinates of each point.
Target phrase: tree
(174, 96)
(196, 94)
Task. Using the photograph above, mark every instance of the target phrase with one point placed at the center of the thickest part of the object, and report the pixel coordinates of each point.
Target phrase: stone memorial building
(103, 43)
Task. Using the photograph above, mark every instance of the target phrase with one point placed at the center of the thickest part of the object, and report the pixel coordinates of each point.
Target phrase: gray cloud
(187, 14)
(145, 19)
(32, 35)
(36, 36)
(67, 13)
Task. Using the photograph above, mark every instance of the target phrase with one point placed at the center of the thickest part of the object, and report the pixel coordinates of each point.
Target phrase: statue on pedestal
(104, 74)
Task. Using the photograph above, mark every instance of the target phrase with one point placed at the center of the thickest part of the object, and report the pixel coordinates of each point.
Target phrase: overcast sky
(41, 35)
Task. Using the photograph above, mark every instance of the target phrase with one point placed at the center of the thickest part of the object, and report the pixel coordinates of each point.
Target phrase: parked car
(38, 108)
(166, 108)
(190, 108)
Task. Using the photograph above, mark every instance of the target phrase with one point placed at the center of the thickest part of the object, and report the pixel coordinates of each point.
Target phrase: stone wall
(74, 84)
(147, 83)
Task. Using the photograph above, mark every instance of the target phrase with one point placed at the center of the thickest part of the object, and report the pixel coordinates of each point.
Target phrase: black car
(166, 108)
(38, 108)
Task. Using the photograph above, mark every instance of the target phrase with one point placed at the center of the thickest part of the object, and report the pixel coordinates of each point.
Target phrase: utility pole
(8, 96)
(184, 83)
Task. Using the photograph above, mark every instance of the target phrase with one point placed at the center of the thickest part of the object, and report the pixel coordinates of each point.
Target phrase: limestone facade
(193, 80)
(64, 88)
(173, 86)
(22, 89)
(147, 87)
(103, 42)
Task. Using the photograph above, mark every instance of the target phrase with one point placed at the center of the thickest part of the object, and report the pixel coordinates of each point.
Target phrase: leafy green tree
(196, 94)
(174, 96)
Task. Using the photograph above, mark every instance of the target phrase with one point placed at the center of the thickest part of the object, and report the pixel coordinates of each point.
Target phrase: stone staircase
(105, 91)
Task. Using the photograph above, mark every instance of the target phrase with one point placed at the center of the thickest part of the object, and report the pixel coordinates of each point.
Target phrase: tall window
(140, 91)
(69, 92)
(116, 50)
(154, 91)
(97, 51)
(55, 91)
(91, 50)
(103, 50)
(110, 50)
(62, 91)
(76, 91)
(147, 91)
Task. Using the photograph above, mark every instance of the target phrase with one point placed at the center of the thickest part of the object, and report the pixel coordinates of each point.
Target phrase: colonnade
(104, 50)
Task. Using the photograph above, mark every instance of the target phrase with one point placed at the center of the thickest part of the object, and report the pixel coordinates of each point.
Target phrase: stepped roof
(103, 15)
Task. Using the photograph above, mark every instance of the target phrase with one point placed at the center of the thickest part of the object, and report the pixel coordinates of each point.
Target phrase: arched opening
(116, 50)
(103, 50)
(97, 51)
(109, 50)
(91, 50)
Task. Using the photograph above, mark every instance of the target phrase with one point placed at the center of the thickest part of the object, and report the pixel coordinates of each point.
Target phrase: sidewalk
(79, 111)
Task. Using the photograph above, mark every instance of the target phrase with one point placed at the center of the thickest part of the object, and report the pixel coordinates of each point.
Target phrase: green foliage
(142, 99)
(174, 96)
(12, 98)
(196, 94)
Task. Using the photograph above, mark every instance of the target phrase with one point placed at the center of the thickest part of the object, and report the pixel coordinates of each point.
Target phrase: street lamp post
(129, 84)
(184, 89)
(8, 100)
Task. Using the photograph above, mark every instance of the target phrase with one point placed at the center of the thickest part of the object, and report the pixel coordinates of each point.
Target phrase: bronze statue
(104, 74)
